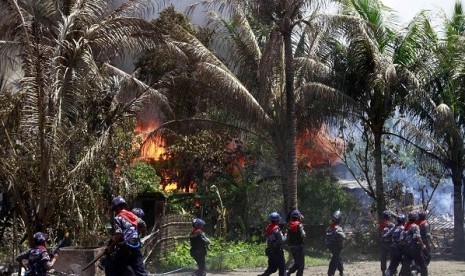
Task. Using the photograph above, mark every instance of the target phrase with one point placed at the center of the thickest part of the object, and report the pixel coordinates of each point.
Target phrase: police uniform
(38, 259)
(384, 226)
(413, 249)
(199, 245)
(334, 240)
(128, 256)
(274, 247)
(425, 237)
(295, 240)
(395, 248)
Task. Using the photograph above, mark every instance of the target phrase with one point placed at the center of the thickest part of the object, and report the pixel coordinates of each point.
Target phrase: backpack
(129, 226)
(36, 262)
(334, 237)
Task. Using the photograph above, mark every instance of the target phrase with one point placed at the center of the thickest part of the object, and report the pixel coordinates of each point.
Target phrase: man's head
(274, 217)
(413, 216)
(138, 212)
(422, 215)
(39, 238)
(118, 203)
(336, 217)
(386, 214)
(296, 215)
(401, 218)
(198, 223)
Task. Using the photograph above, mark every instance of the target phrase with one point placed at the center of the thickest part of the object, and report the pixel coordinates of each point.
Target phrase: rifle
(99, 256)
(59, 245)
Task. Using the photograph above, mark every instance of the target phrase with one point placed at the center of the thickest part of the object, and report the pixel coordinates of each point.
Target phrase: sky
(407, 9)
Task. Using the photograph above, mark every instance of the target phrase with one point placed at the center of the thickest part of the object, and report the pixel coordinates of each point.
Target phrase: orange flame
(152, 147)
(316, 148)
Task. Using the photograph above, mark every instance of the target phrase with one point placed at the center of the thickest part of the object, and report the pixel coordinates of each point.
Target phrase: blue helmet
(386, 214)
(401, 218)
(117, 201)
(39, 238)
(138, 212)
(274, 216)
(198, 223)
(296, 214)
(413, 215)
(422, 215)
(336, 217)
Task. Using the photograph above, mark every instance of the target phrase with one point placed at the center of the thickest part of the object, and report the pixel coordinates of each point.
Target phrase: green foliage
(319, 196)
(224, 256)
(221, 256)
(144, 176)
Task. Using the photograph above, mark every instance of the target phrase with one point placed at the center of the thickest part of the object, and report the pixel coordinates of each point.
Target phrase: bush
(221, 256)
(224, 256)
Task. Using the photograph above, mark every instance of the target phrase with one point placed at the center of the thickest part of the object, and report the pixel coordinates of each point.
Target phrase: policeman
(199, 245)
(385, 225)
(395, 249)
(140, 213)
(274, 247)
(414, 246)
(38, 259)
(125, 242)
(295, 240)
(334, 241)
(425, 235)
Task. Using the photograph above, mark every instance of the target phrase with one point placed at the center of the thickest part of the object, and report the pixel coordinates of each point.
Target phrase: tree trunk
(459, 233)
(380, 201)
(291, 120)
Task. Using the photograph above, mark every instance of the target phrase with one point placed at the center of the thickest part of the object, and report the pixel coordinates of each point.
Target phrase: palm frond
(135, 8)
(236, 42)
(90, 156)
(311, 70)
(319, 101)
(135, 93)
(228, 90)
(194, 50)
(122, 36)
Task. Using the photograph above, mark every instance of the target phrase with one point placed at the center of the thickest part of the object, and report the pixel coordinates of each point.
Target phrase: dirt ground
(367, 268)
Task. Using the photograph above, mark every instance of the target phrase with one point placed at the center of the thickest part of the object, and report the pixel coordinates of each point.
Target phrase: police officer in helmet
(39, 261)
(334, 240)
(126, 242)
(274, 246)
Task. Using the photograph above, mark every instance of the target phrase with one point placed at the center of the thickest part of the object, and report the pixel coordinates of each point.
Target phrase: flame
(152, 146)
(316, 148)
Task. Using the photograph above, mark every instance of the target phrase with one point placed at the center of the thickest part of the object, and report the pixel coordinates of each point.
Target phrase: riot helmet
(274, 217)
(138, 212)
(386, 214)
(39, 238)
(117, 201)
(336, 217)
(413, 215)
(296, 214)
(422, 215)
(401, 218)
(198, 223)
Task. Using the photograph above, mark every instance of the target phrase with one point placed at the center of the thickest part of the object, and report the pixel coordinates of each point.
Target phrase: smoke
(440, 199)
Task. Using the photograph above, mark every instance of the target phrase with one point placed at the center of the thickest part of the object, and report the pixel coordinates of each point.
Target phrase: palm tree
(439, 129)
(372, 80)
(70, 104)
(249, 76)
